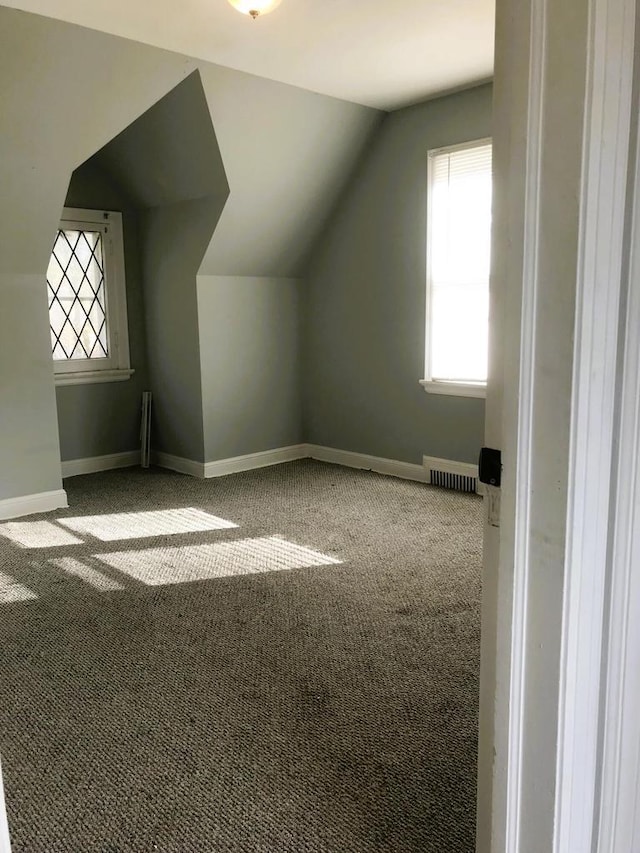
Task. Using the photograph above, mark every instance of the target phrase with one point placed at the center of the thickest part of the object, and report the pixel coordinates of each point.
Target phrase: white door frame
(618, 802)
(600, 287)
(5, 844)
(592, 629)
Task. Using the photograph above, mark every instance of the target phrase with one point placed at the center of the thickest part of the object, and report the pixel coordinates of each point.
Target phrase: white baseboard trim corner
(390, 467)
(262, 459)
(31, 504)
(250, 461)
(93, 464)
(178, 463)
(230, 465)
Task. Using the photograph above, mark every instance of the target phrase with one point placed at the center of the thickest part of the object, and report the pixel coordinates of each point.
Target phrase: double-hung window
(458, 260)
(87, 299)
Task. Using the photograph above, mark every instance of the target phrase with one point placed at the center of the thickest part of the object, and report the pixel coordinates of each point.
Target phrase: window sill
(84, 377)
(454, 389)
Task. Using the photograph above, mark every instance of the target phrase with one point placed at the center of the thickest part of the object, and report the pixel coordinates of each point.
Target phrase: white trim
(524, 428)
(231, 465)
(82, 214)
(429, 383)
(606, 146)
(84, 377)
(109, 223)
(619, 823)
(450, 466)
(178, 463)
(92, 464)
(454, 389)
(30, 504)
(460, 146)
(250, 461)
(391, 467)
(5, 842)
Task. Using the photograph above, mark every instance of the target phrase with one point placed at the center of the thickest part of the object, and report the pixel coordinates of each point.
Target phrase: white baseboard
(391, 467)
(178, 463)
(231, 465)
(450, 466)
(30, 504)
(93, 464)
(249, 461)
(463, 469)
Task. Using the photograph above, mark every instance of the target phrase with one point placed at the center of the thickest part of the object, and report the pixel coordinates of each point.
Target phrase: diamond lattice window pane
(77, 305)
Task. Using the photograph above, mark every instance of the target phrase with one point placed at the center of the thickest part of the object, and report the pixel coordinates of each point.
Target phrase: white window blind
(459, 247)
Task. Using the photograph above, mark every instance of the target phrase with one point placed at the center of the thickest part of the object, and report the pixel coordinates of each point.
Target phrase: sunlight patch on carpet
(137, 525)
(88, 574)
(12, 591)
(160, 566)
(37, 534)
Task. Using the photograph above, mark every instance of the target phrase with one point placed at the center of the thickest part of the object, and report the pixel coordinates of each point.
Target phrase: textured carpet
(300, 676)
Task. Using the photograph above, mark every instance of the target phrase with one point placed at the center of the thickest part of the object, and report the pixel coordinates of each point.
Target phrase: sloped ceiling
(286, 152)
(170, 153)
(382, 53)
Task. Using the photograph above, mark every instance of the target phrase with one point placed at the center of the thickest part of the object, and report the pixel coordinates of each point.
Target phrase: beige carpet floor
(279, 661)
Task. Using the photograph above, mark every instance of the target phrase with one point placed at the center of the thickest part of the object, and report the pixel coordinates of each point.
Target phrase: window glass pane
(459, 333)
(459, 262)
(461, 229)
(77, 304)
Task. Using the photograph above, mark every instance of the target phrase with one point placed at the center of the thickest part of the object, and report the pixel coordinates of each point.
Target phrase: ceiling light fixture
(254, 8)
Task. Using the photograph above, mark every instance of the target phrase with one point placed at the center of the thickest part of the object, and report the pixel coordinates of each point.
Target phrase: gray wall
(170, 153)
(169, 161)
(42, 96)
(251, 363)
(364, 325)
(101, 418)
(29, 447)
(286, 153)
(174, 240)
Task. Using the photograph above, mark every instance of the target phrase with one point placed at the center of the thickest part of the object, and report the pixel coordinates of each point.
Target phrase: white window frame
(116, 367)
(431, 385)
